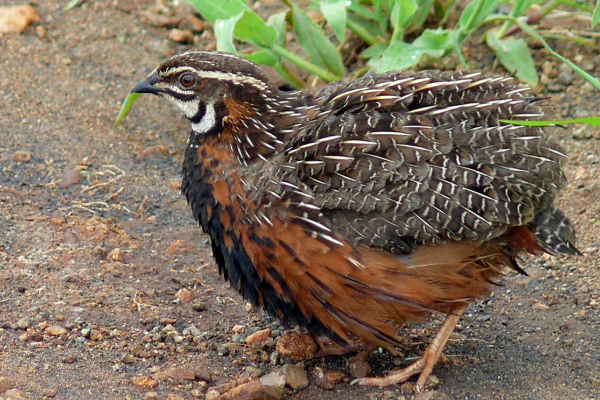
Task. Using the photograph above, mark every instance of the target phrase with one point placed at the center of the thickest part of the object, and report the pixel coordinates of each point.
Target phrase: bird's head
(211, 88)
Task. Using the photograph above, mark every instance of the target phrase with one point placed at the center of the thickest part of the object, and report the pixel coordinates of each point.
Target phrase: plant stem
(508, 29)
(302, 63)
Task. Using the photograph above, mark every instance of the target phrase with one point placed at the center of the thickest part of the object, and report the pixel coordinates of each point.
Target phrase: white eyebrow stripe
(222, 76)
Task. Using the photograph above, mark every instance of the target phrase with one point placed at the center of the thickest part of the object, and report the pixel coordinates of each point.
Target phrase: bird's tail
(554, 232)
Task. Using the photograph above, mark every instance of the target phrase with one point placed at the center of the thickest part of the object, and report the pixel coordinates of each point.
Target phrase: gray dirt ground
(537, 337)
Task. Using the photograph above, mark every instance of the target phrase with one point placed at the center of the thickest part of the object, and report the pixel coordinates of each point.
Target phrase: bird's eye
(187, 80)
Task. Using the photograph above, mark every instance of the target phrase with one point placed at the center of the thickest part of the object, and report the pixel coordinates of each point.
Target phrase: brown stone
(145, 382)
(184, 36)
(22, 156)
(68, 177)
(296, 345)
(181, 373)
(14, 19)
(55, 330)
(184, 295)
(295, 376)
(116, 255)
(259, 336)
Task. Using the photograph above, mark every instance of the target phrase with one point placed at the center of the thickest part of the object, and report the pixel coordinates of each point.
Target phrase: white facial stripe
(233, 78)
(222, 76)
(208, 121)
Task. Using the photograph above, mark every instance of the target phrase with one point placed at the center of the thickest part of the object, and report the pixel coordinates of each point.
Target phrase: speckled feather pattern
(399, 160)
(351, 208)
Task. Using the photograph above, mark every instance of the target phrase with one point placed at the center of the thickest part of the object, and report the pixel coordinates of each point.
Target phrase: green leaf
(267, 57)
(277, 21)
(375, 50)
(222, 9)
(264, 57)
(314, 42)
(596, 15)
(359, 24)
(126, 107)
(433, 43)
(421, 14)
(335, 13)
(587, 120)
(520, 7)
(72, 4)
(361, 10)
(515, 56)
(249, 28)
(224, 29)
(475, 13)
(406, 10)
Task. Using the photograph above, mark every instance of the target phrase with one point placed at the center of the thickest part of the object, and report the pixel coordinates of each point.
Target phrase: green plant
(393, 30)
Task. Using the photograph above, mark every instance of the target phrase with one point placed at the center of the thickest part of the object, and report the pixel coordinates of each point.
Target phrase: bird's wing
(398, 160)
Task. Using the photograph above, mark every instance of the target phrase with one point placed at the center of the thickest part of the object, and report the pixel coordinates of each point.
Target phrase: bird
(352, 208)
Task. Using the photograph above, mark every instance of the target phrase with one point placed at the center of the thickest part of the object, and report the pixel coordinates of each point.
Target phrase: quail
(352, 208)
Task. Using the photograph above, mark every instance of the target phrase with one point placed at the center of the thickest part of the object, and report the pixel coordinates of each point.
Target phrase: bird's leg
(425, 364)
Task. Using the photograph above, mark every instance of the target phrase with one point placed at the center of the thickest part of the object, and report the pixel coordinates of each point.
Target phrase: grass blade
(527, 29)
(587, 120)
(126, 107)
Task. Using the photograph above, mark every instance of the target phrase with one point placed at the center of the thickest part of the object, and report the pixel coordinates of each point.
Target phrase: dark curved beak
(147, 85)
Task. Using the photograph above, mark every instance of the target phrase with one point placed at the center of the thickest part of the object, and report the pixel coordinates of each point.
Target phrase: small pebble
(15, 394)
(181, 373)
(70, 359)
(116, 255)
(198, 305)
(96, 335)
(360, 369)
(259, 336)
(184, 36)
(22, 156)
(145, 382)
(334, 377)
(185, 295)
(4, 383)
(55, 330)
(14, 19)
(296, 345)
(565, 77)
(212, 395)
(23, 323)
(295, 376)
(51, 393)
(68, 177)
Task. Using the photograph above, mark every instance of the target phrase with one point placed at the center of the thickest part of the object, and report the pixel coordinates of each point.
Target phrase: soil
(107, 285)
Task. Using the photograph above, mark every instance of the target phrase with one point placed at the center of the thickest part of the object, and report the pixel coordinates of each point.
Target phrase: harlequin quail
(352, 208)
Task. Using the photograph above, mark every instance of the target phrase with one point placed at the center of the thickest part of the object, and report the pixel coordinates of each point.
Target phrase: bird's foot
(425, 364)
